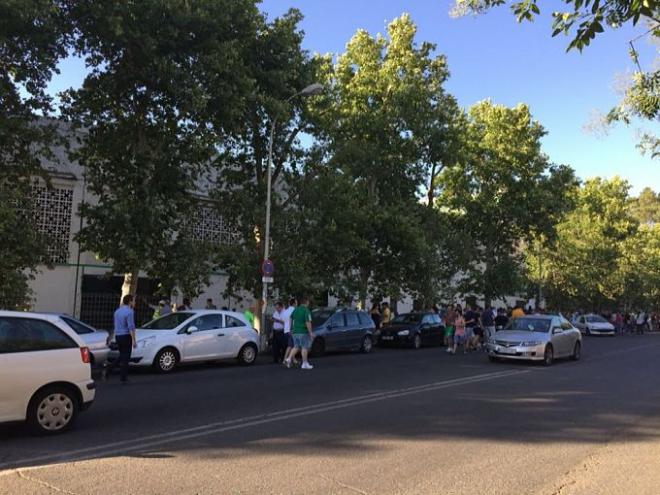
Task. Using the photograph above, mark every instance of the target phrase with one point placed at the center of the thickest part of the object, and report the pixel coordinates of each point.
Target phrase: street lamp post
(312, 89)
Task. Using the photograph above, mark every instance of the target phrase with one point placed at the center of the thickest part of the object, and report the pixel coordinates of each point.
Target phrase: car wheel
(367, 345)
(166, 360)
(417, 341)
(577, 351)
(247, 355)
(52, 410)
(548, 356)
(318, 347)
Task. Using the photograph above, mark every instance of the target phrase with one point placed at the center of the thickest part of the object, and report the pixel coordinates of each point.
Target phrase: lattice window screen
(209, 226)
(52, 218)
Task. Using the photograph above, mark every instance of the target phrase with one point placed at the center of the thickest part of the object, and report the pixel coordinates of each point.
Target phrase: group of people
(292, 333)
(471, 328)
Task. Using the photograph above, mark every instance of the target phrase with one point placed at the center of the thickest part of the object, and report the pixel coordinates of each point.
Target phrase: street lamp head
(312, 89)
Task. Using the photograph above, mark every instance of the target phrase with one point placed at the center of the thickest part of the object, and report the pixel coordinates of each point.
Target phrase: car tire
(548, 356)
(367, 345)
(417, 341)
(318, 347)
(52, 410)
(166, 360)
(248, 354)
(577, 351)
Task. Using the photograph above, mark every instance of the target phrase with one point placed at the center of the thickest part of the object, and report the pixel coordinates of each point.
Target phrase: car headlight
(403, 333)
(531, 343)
(145, 342)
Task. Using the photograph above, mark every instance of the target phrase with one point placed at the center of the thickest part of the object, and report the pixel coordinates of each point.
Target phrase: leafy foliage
(144, 112)
(33, 37)
(601, 256)
(582, 19)
(502, 192)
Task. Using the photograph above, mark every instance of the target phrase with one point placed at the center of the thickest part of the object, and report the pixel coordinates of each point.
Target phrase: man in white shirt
(286, 315)
(278, 342)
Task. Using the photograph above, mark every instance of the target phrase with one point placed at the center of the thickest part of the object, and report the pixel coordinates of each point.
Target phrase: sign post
(267, 271)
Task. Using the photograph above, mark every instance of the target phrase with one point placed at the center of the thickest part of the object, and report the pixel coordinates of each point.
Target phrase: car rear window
(77, 327)
(29, 335)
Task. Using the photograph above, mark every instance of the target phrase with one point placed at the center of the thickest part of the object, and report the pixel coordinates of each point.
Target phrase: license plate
(507, 350)
(387, 337)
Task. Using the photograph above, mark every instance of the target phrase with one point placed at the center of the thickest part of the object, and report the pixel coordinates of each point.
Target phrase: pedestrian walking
(376, 316)
(459, 332)
(386, 314)
(249, 316)
(278, 341)
(470, 323)
(517, 312)
(450, 316)
(286, 316)
(209, 304)
(185, 306)
(124, 330)
(640, 322)
(501, 320)
(301, 328)
(488, 322)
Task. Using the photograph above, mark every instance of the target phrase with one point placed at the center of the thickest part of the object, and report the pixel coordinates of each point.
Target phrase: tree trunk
(130, 283)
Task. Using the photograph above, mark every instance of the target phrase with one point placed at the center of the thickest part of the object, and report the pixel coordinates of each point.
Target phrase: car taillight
(84, 354)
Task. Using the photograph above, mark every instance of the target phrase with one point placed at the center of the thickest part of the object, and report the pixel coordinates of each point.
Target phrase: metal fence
(97, 309)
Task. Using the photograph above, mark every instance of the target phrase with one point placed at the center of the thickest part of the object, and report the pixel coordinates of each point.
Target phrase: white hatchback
(45, 372)
(194, 336)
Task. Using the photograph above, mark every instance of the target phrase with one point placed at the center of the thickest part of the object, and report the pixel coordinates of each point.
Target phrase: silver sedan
(536, 338)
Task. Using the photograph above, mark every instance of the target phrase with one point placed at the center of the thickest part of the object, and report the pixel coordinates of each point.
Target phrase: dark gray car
(342, 330)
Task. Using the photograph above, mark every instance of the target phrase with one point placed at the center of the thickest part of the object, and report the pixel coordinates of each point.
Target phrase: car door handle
(221, 335)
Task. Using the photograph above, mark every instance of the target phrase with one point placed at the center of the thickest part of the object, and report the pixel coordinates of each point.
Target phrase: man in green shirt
(301, 331)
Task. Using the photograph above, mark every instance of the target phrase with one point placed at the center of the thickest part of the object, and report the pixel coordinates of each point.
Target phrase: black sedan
(413, 330)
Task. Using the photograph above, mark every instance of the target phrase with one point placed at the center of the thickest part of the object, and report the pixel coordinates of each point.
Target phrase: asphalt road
(394, 421)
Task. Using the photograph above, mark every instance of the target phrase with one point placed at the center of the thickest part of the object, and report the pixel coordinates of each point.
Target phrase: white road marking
(246, 422)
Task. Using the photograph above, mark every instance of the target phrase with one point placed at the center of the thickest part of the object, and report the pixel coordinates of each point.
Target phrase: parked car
(536, 338)
(594, 325)
(342, 330)
(96, 340)
(413, 330)
(45, 373)
(193, 336)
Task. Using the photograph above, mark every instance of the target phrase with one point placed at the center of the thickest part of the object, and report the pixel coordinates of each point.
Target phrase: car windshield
(530, 324)
(168, 322)
(596, 319)
(407, 318)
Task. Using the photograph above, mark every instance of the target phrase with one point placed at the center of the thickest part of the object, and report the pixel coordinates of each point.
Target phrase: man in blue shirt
(124, 335)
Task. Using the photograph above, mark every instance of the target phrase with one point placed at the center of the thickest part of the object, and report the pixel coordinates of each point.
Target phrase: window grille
(52, 218)
(209, 226)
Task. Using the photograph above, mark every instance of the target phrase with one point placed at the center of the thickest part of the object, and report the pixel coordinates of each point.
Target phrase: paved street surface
(395, 421)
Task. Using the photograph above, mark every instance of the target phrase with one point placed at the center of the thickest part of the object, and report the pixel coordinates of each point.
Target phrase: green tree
(33, 37)
(158, 72)
(385, 126)
(646, 207)
(502, 193)
(583, 263)
(278, 69)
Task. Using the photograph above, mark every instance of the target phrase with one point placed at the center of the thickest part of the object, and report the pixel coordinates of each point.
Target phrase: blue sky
(492, 56)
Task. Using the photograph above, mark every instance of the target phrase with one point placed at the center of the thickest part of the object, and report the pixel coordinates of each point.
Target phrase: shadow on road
(611, 393)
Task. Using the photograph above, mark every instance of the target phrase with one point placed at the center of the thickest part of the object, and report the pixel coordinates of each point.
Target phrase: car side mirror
(190, 330)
